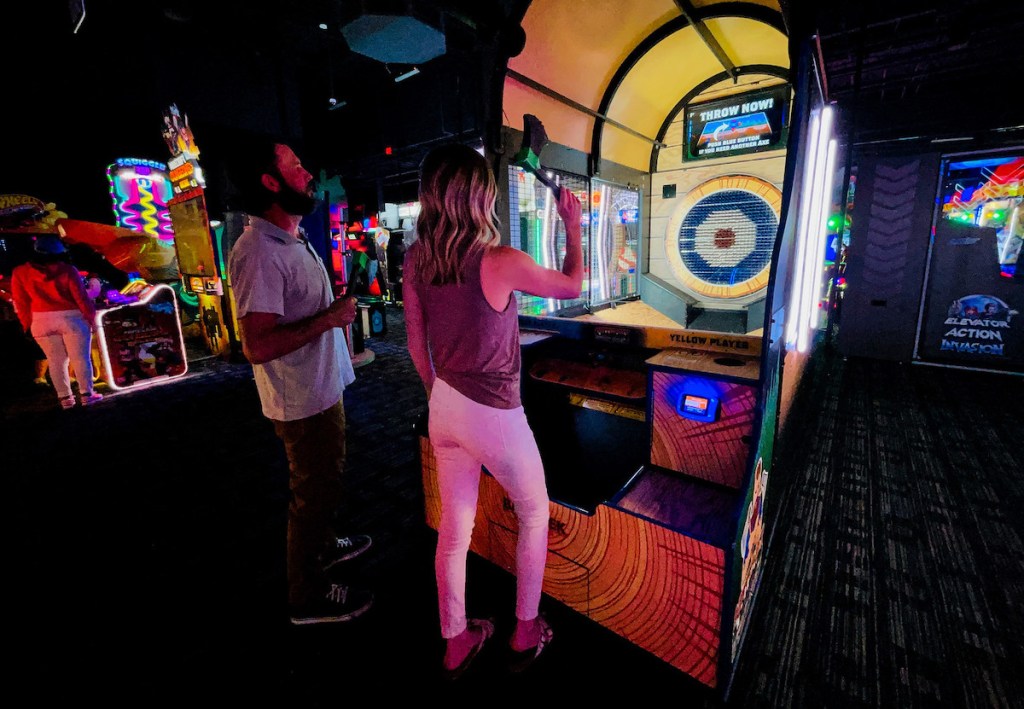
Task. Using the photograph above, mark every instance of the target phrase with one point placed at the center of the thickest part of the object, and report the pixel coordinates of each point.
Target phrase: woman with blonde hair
(463, 334)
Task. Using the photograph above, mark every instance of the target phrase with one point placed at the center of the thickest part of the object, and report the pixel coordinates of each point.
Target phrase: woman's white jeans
(64, 335)
(466, 435)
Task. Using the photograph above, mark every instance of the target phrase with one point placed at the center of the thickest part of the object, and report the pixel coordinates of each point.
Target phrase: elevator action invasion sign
(737, 125)
(978, 324)
(972, 315)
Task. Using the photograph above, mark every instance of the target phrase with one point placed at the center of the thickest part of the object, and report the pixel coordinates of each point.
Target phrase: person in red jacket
(52, 303)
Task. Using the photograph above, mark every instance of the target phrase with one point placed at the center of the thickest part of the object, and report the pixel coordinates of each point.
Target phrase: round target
(720, 239)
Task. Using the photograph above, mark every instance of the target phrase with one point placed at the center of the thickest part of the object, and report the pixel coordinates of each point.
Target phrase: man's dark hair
(248, 162)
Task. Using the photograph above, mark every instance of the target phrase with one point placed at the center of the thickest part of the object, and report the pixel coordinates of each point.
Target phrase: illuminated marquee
(186, 175)
(15, 202)
(19, 211)
(182, 171)
(140, 190)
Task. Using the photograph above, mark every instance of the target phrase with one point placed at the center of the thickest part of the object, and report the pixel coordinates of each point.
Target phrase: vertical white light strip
(808, 299)
(796, 267)
(814, 314)
(544, 221)
(550, 238)
(602, 230)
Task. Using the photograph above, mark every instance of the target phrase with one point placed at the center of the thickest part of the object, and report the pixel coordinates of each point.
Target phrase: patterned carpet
(895, 577)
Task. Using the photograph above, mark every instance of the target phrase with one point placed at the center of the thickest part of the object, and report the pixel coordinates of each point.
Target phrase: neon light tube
(819, 255)
(545, 257)
(105, 354)
(807, 238)
(602, 231)
(547, 247)
(813, 236)
(793, 316)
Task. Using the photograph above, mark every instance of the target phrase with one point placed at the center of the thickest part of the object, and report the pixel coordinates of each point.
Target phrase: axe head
(534, 140)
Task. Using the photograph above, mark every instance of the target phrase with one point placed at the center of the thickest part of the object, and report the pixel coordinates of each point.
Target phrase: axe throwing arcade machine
(647, 436)
(656, 396)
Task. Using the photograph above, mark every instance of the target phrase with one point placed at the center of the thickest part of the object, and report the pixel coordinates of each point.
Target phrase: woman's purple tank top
(475, 348)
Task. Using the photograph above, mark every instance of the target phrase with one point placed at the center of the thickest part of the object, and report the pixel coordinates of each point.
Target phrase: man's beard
(296, 203)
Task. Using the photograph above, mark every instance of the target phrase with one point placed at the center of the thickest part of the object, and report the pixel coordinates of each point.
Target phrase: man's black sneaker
(343, 549)
(339, 604)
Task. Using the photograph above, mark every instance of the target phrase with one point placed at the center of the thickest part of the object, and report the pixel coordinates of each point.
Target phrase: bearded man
(292, 333)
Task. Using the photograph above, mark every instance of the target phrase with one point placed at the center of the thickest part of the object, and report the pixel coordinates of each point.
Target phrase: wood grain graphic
(659, 589)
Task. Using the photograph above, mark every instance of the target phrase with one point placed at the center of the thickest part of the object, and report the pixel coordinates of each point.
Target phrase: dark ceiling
(896, 69)
(236, 68)
(901, 69)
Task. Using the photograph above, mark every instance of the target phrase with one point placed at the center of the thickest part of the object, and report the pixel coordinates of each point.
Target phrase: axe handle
(548, 182)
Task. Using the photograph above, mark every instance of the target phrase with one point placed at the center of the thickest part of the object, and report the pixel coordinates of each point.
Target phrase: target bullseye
(720, 239)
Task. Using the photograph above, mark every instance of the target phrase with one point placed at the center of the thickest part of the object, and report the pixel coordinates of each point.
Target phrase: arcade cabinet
(202, 260)
(364, 280)
(138, 331)
(395, 263)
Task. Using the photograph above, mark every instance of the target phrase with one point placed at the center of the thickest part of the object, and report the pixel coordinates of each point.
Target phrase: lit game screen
(192, 237)
(753, 126)
(989, 192)
(538, 230)
(737, 125)
(140, 190)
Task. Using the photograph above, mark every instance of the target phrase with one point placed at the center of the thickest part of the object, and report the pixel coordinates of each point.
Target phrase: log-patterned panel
(659, 589)
(564, 579)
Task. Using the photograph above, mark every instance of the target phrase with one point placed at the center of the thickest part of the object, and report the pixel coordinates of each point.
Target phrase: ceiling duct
(396, 33)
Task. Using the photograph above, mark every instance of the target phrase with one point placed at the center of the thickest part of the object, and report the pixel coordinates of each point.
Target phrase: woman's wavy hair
(457, 217)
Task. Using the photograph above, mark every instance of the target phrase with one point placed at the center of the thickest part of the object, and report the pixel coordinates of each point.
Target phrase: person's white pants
(64, 335)
(466, 435)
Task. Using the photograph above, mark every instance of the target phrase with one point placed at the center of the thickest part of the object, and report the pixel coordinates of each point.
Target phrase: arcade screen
(615, 240)
(142, 341)
(538, 230)
(737, 125)
(695, 404)
(192, 237)
(989, 192)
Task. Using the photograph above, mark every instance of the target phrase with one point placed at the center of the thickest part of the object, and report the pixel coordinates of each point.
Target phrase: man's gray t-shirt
(274, 272)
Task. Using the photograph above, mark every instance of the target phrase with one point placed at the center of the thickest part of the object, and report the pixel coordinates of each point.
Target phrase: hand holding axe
(528, 157)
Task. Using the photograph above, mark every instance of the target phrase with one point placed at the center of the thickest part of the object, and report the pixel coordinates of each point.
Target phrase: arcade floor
(145, 554)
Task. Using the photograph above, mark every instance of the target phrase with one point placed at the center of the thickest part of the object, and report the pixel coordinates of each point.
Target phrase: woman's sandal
(521, 660)
(486, 628)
